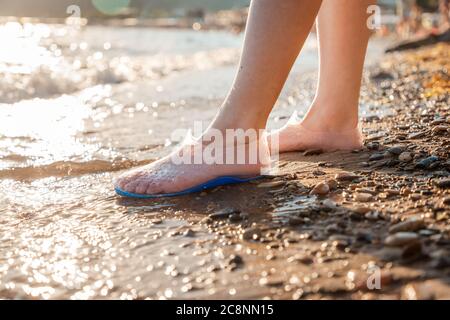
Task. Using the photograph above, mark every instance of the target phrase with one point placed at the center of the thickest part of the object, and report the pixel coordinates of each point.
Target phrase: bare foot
(169, 175)
(298, 135)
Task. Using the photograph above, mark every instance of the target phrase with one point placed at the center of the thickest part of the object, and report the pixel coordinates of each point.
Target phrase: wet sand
(384, 209)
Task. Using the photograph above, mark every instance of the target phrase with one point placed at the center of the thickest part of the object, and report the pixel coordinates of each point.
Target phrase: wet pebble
(271, 281)
(321, 189)
(189, 233)
(426, 163)
(301, 258)
(440, 129)
(363, 197)
(223, 214)
(417, 135)
(442, 183)
(235, 259)
(251, 234)
(396, 150)
(362, 209)
(401, 239)
(346, 176)
(376, 156)
(294, 221)
(405, 157)
(412, 224)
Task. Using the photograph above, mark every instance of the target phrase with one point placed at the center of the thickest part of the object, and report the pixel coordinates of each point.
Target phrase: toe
(141, 187)
(153, 189)
(131, 186)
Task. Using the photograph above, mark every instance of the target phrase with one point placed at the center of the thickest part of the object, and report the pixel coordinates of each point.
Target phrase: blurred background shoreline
(405, 18)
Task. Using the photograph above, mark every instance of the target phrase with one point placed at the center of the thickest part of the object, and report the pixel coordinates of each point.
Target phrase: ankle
(330, 120)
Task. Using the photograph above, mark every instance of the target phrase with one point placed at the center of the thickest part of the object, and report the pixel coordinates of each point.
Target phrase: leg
(275, 34)
(332, 120)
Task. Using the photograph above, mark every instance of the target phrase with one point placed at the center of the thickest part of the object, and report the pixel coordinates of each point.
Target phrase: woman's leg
(275, 34)
(332, 120)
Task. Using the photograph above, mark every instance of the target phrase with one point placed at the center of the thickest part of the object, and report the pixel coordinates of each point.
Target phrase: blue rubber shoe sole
(217, 182)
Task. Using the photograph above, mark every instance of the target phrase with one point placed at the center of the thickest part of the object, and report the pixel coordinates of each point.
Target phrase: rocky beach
(366, 224)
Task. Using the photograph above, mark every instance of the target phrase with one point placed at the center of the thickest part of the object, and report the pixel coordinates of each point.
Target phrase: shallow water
(77, 105)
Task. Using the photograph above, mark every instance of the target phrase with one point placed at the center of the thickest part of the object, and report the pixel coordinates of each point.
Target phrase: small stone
(346, 176)
(235, 259)
(396, 150)
(271, 184)
(312, 152)
(251, 234)
(412, 251)
(235, 217)
(442, 183)
(330, 204)
(374, 145)
(417, 135)
(294, 221)
(441, 129)
(412, 224)
(405, 157)
(426, 163)
(320, 189)
(363, 197)
(223, 214)
(392, 192)
(376, 157)
(271, 281)
(189, 233)
(401, 239)
(301, 258)
(446, 201)
(362, 209)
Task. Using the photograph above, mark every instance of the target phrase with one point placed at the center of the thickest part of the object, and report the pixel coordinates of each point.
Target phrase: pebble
(396, 150)
(363, 197)
(412, 251)
(411, 224)
(301, 258)
(294, 221)
(235, 259)
(321, 189)
(401, 239)
(426, 163)
(223, 214)
(376, 156)
(346, 176)
(440, 129)
(189, 233)
(443, 183)
(362, 209)
(251, 234)
(446, 201)
(271, 281)
(235, 217)
(405, 157)
(417, 135)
